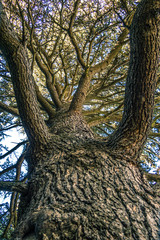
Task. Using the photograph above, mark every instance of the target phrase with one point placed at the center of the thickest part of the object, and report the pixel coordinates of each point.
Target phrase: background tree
(73, 57)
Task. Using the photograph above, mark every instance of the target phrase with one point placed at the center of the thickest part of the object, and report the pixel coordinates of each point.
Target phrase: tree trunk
(79, 189)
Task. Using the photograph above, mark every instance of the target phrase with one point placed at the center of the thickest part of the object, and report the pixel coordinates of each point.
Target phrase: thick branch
(16, 56)
(80, 94)
(153, 177)
(84, 83)
(9, 109)
(153, 134)
(141, 79)
(45, 104)
(15, 186)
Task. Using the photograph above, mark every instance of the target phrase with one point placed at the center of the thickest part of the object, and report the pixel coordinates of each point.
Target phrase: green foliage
(60, 48)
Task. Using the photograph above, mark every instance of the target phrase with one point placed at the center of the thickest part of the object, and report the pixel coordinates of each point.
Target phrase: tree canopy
(79, 56)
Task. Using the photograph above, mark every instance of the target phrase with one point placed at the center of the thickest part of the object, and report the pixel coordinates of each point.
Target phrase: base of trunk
(81, 192)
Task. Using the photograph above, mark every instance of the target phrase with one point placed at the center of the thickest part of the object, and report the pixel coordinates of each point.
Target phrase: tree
(80, 186)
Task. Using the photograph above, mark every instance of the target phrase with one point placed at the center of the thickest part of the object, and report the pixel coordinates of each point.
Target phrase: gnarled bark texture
(81, 187)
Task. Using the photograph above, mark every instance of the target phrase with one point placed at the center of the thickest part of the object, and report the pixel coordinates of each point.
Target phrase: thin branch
(18, 163)
(23, 23)
(94, 122)
(8, 169)
(71, 35)
(4, 235)
(55, 45)
(15, 212)
(113, 53)
(122, 20)
(78, 51)
(10, 127)
(76, 5)
(84, 83)
(13, 149)
(51, 88)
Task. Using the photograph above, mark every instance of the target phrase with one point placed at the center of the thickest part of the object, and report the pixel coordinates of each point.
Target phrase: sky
(11, 141)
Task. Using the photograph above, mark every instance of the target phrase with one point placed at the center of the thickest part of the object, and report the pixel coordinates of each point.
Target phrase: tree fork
(78, 188)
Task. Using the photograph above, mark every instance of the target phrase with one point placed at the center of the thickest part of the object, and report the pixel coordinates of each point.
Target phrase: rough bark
(23, 83)
(79, 190)
(141, 80)
(13, 186)
(80, 187)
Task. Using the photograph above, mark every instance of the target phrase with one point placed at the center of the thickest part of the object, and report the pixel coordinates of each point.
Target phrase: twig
(13, 149)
